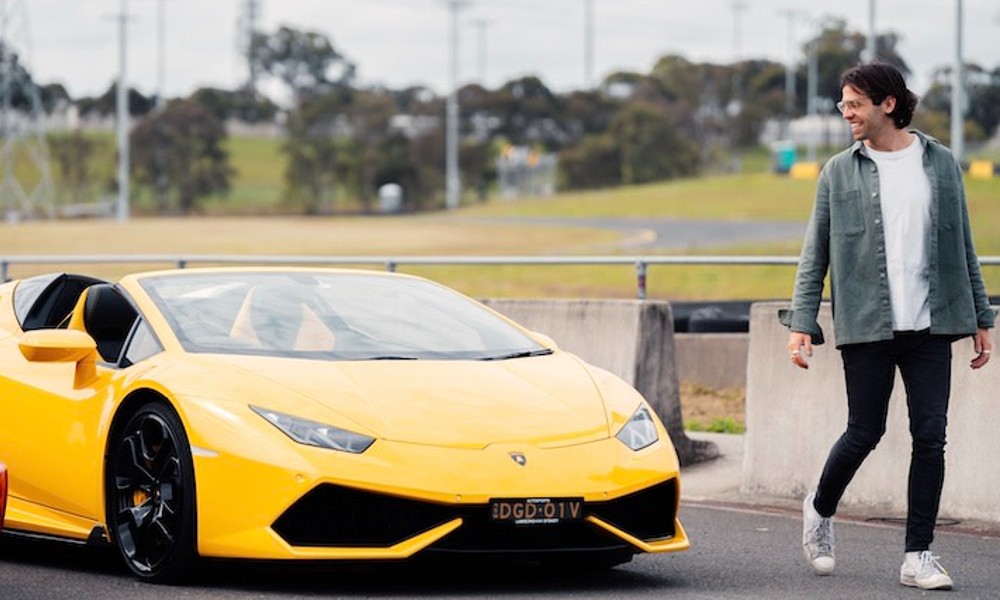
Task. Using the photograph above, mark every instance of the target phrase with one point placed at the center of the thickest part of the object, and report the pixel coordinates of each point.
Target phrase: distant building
(823, 131)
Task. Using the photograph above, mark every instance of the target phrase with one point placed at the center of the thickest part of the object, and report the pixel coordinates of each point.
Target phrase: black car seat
(108, 318)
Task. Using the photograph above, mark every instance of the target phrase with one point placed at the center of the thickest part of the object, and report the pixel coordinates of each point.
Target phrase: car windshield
(338, 316)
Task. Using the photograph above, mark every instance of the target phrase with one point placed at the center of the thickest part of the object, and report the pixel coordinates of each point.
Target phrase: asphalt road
(735, 554)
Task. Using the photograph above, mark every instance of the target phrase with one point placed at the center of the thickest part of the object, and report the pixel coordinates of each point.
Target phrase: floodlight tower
(27, 192)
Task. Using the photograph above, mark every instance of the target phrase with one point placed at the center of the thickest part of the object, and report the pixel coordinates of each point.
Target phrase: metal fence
(641, 264)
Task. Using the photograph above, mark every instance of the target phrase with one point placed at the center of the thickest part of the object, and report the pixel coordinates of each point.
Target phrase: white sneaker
(817, 538)
(922, 570)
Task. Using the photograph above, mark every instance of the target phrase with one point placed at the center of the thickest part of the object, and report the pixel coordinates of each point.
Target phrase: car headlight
(640, 431)
(312, 433)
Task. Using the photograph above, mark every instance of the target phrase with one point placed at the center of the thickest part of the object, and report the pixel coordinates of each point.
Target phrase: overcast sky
(403, 42)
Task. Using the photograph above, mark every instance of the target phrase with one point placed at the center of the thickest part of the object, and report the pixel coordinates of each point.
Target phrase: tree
(369, 114)
(305, 61)
(984, 98)
(23, 86)
(396, 165)
(526, 111)
(595, 162)
(839, 49)
(239, 104)
(191, 155)
(650, 144)
(105, 104)
(52, 95)
(319, 153)
(75, 156)
(983, 115)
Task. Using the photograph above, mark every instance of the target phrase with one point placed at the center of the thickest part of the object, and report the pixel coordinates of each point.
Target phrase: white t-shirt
(905, 193)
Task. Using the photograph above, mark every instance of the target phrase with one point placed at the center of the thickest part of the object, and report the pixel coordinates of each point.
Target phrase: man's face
(866, 119)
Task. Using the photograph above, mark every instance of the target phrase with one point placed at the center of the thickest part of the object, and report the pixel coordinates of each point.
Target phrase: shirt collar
(925, 139)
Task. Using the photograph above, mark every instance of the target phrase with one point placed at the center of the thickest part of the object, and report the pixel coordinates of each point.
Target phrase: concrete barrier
(794, 417)
(630, 338)
(714, 360)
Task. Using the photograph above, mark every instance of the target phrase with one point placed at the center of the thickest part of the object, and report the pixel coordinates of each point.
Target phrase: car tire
(150, 499)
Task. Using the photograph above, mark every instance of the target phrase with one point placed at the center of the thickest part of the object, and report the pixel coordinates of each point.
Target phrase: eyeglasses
(844, 106)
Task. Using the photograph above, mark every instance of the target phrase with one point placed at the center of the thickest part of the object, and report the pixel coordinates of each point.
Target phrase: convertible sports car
(280, 413)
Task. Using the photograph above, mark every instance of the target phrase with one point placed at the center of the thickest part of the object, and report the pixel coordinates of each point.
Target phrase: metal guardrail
(391, 263)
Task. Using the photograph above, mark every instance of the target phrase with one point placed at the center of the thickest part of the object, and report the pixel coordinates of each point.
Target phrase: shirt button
(882, 275)
(877, 221)
(874, 194)
(884, 302)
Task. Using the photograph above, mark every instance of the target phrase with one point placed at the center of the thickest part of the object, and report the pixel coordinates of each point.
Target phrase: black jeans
(924, 362)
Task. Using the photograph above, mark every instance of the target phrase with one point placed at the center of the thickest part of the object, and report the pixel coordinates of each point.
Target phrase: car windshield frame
(332, 315)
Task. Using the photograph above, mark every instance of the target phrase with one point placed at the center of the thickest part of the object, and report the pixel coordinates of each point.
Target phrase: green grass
(725, 425)
(749, 196)
(258, 181)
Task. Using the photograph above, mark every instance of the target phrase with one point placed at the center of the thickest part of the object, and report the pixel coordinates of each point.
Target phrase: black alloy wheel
(150, 495)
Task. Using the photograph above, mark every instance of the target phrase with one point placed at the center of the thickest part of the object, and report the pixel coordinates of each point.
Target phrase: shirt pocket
(846, 213)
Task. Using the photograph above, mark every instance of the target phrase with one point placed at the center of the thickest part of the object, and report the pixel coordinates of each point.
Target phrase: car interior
(108, 317)
(50, 302)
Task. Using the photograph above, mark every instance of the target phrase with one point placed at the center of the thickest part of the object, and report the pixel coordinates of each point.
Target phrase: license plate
(535, 511)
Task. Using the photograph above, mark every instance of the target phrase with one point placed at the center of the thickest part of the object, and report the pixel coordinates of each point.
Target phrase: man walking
(891, 226)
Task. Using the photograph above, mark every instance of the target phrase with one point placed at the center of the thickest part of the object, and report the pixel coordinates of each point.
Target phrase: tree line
(343, 141)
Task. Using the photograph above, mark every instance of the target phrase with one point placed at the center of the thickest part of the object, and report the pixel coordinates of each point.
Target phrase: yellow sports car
(281, 413)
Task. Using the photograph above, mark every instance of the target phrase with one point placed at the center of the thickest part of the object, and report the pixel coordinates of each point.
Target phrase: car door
(50, 436)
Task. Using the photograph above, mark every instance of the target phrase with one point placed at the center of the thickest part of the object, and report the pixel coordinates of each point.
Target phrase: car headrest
(108, 318)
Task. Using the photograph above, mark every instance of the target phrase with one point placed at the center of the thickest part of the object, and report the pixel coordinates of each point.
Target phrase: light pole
(453, 185)
(481, 26)
(122, 208)
(588, 44)
(790, 16)
(812, 85)
(161, 53)
(870, 49)
(958, 91)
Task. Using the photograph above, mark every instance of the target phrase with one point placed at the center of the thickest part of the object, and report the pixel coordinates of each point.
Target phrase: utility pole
(812, 85)
(739, 7)
(453, 189)
(870, 51)
(736, 104)
(958, 91)
(247, 28)
(161, 54)
(160, 153)
(588, 44)
(481, 26)
(122, 208)
(790, 64)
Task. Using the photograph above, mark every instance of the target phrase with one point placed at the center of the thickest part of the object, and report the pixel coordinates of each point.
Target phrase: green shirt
(845, 237)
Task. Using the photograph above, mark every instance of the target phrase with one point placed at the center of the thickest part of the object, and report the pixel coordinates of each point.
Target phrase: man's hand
(982, 345)
(800, 348)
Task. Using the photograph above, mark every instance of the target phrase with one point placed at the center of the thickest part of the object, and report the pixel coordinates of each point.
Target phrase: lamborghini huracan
(315, 414)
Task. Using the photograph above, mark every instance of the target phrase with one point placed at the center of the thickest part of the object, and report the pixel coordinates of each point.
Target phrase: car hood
(548, 400)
